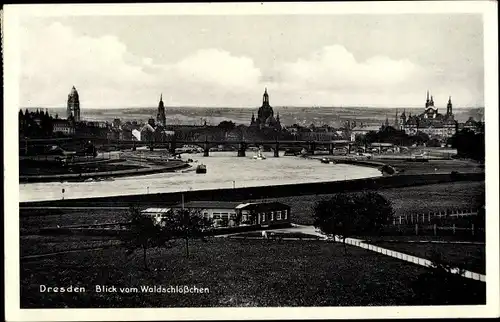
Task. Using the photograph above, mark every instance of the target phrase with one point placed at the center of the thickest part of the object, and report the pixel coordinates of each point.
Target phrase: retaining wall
(273, 191)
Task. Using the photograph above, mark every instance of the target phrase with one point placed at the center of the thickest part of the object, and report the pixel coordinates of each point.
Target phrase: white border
(11, 16)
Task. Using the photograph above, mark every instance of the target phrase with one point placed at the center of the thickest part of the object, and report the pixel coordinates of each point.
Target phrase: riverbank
(263, 192)
(151, 169)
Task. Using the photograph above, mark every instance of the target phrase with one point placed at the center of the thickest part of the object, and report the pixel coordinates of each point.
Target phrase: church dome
(270, 120)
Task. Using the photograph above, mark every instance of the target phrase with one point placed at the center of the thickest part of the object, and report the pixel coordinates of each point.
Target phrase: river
(224, 170)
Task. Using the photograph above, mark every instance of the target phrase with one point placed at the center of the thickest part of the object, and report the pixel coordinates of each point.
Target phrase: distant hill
(289, 115)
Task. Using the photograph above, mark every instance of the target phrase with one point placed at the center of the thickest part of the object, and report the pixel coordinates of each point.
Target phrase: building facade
(430, 122)
(231, 214)
(66, 127)
(73, 106)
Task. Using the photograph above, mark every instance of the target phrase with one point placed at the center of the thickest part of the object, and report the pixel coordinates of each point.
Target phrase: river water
(224, 170)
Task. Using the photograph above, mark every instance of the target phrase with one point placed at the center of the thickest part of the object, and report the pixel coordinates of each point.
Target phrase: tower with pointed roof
(449, 108)
(160, 115)
(396, 121)
(73, 106)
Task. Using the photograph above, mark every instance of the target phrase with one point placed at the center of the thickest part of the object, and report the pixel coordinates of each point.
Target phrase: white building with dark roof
(227, 213)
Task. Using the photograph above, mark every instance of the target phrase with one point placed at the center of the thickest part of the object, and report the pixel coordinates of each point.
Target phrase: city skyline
(227, 61)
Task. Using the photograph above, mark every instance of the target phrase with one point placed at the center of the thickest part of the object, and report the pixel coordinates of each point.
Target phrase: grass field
(52, 218)
(419, 199)
(436, 166)
(236, 272)
(35, 245)
(470, 257)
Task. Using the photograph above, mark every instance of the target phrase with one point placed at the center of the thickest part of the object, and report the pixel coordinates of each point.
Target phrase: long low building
(231, 214)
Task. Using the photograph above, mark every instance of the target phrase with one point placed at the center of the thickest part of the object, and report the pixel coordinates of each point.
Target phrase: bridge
(206, 145)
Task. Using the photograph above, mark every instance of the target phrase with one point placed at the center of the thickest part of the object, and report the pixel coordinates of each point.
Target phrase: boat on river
(259, 156)
(201, 168)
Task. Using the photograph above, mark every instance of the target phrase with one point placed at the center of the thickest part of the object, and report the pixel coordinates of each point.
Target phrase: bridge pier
(206, 149)
(330, 149)
(242, 150)
(312, 147)
(277, 150)
(151, 147)
(171, 148)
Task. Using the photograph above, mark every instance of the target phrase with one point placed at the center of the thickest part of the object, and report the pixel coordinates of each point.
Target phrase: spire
(449, 107)
(265, 99)
(161, 97)
(427, 95)
(278, 116)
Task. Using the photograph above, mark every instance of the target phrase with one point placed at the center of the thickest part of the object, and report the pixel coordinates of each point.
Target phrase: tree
(226, 126)
(469, 144)
(433, 143)
(187, 224)
(420, 138)
(143, 234)
(346, 215)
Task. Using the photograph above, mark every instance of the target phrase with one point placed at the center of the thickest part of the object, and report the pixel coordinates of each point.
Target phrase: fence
(431, 217)
(411, 259)
(466, 223)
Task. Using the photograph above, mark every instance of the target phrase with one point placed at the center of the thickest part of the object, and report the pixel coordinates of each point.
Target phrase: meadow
(237, 273)
(466, 256)
(407, 200)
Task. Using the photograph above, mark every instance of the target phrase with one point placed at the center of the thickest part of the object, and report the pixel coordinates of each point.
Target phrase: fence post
(411, 216)
(472, 229)
(429, 219)
(400, 217)
(453, 229)
(435, 230)
(416, 229)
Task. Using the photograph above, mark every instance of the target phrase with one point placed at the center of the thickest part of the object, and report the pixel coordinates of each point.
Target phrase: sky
(227, 61)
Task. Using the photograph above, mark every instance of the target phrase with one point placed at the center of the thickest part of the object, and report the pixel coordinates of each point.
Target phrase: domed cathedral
(431, 121)
(161, 119)
(265, 115)
(73, 107)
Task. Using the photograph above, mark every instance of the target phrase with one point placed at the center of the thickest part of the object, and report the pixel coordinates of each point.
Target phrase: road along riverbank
(262, 192)
(150, 169)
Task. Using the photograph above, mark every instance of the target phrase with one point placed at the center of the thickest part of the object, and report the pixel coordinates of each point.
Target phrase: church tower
(265, 99)
(73, 106)
(160, 115)
(449, 108)
(427, 101)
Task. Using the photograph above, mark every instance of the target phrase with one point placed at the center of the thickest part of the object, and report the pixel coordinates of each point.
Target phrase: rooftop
(231, 205)
(209, 204)
(156, 210)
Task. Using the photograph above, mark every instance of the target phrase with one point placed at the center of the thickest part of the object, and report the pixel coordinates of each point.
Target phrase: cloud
(335, 68)
(107, 74)
(218, 68)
